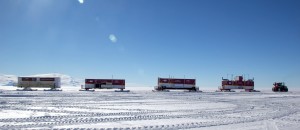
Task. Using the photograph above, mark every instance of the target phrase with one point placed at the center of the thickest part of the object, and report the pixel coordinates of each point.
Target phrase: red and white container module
(27, 83)
(92, 84)
(237, 83)
(175, 83)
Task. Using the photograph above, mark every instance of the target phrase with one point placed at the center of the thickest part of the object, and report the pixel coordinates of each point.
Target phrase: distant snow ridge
(66, 80)
(8, 80)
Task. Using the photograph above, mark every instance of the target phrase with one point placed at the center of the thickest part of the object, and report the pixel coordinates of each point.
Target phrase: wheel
(159, 88)
(286, 89)
(193, 89)
(275, 89)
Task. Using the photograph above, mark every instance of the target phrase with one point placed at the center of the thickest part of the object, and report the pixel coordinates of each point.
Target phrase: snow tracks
(145, 110)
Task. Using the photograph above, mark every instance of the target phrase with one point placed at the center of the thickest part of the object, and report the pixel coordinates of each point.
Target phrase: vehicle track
(81, 112)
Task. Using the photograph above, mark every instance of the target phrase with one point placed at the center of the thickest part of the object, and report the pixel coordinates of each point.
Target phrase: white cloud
(113, 38)
(81, 1)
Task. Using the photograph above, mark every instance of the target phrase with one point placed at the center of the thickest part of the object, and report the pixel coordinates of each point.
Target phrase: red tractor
(279, 87)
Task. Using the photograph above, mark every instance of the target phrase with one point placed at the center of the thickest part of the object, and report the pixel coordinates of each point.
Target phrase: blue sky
(140, 40)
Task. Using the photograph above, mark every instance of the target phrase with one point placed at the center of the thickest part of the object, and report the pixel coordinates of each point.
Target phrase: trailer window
(47, 79)
(28, 79)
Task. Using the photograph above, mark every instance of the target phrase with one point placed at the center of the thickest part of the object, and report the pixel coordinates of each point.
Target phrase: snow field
(109, 110)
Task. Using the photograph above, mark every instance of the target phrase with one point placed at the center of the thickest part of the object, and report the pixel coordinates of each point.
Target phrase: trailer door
(97, 86)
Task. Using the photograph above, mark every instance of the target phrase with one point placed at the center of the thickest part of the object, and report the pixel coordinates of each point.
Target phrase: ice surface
(144, 109)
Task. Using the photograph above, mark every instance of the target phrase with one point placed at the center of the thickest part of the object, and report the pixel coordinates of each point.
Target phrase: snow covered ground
(144, 109)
